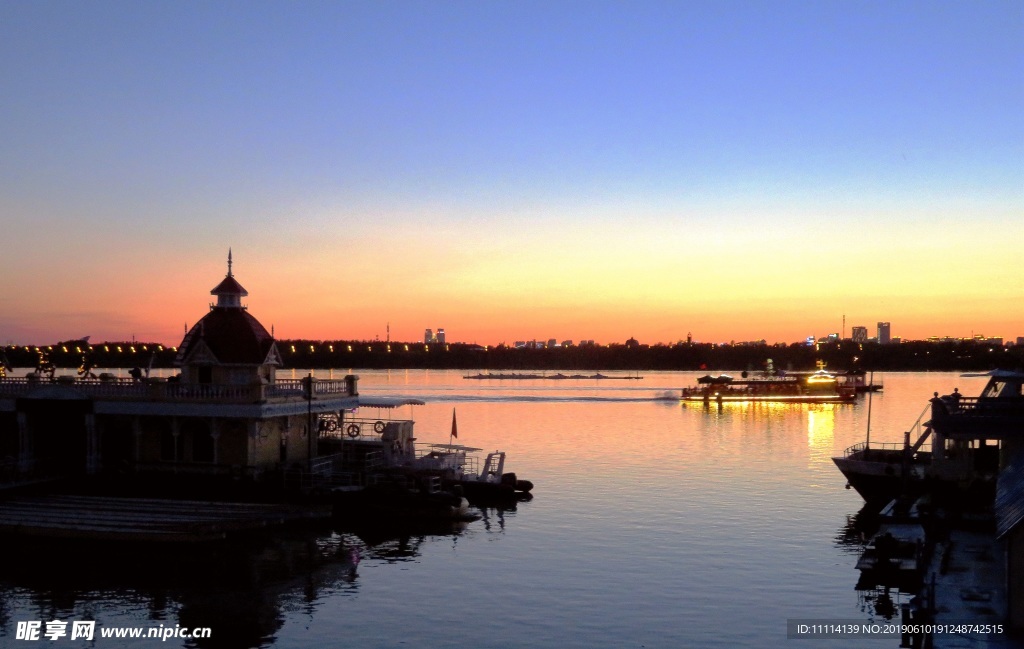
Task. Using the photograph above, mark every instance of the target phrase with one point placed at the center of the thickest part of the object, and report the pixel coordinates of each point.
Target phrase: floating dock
(969, 587)
(142, 519)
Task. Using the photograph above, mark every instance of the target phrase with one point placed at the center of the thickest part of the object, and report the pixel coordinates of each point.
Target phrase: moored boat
(367, 449)
(967, 435)
(483, 483)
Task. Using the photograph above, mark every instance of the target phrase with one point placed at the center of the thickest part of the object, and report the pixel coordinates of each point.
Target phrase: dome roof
(231, 335)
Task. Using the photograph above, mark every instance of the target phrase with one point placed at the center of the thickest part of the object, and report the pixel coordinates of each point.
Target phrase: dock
(969, 580)
(143, 519)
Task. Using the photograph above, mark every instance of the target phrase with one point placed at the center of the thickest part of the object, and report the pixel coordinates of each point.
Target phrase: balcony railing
(119, 389)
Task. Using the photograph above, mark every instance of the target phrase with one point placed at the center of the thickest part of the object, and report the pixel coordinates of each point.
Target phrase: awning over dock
(389, 402)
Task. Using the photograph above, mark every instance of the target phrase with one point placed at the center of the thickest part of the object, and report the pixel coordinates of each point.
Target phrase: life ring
(332, 425)
(379, 427)
(353, 430)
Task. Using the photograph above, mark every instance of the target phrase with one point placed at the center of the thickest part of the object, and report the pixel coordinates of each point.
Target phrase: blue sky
(305, 134)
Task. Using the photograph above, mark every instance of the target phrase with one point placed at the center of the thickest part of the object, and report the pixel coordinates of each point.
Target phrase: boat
(458, 469)
(365, 450)
(859, 380)
(816, 387)
(483, 483)
(967, 435)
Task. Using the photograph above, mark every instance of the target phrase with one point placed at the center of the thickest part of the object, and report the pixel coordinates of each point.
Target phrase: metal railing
(874, 446)
(983, 406)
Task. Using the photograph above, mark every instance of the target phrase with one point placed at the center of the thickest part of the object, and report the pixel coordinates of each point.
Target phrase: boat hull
(398, 505)
(878, 481)
(884, 476)
(768, 398)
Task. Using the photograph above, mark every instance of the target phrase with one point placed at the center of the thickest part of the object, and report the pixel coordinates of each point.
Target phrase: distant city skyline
(857, 334)
(603, 170)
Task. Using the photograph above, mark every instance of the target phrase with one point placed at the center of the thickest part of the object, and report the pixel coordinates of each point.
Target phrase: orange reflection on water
(821, 427)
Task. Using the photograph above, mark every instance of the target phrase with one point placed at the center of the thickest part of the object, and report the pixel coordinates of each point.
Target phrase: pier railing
(114, 388)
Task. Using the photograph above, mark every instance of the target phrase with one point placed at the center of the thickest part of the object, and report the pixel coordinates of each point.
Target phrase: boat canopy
(387, 402)
(456, 447)
(1006, 375)
(707, 378)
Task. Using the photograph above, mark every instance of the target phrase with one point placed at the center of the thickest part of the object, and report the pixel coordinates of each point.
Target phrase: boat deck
(141, 519)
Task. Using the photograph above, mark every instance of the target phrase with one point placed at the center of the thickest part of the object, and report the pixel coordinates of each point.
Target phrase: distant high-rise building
(440, 336)
(428, 336)
(884, 334)
(859, 334)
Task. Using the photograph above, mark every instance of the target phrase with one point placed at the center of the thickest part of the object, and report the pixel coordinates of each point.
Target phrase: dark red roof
(232, 335)
(229, 285)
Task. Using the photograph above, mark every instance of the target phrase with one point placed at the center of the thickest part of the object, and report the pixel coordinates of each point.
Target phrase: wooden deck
(142, 519)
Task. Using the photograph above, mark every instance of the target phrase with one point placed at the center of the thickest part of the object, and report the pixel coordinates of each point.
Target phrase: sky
(735, 170)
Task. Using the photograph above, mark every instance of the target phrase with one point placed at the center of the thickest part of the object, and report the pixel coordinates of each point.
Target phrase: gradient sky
(513, 170)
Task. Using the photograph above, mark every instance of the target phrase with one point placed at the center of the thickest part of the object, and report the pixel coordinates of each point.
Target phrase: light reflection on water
(653, 525)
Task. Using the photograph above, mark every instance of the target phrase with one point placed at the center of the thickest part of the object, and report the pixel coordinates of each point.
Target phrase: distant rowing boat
(506, 377)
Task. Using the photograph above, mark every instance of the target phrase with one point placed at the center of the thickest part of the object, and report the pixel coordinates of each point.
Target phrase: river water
(652, 525)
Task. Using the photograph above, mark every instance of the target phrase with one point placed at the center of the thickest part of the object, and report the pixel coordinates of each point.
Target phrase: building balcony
(108, 388)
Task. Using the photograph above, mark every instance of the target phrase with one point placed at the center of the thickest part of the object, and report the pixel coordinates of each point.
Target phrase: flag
(455, 429)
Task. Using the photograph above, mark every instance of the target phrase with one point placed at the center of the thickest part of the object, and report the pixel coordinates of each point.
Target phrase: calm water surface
(653, 525)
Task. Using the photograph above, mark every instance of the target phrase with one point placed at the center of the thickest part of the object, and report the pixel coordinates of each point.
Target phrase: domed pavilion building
(226, 414)
(228, 346)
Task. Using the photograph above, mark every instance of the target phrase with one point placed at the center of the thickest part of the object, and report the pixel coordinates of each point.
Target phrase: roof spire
(229, 292)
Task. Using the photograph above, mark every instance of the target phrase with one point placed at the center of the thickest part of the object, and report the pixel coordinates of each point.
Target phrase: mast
(871, 382)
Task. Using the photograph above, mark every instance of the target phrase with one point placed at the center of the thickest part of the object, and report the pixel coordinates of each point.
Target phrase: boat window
(1009, 389)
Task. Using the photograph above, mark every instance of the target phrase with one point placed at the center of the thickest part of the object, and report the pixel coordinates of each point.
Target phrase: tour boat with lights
(817, 387)
(968, 435)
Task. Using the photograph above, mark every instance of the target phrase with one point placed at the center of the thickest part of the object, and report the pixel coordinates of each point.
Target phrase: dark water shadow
(239, 588)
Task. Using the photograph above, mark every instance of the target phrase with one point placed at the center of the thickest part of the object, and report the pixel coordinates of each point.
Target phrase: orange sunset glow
(651, 185)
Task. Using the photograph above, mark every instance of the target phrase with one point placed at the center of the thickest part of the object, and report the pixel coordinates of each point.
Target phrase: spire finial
(229, 263)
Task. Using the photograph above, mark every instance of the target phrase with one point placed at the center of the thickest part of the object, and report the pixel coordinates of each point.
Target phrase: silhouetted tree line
(318, 354)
